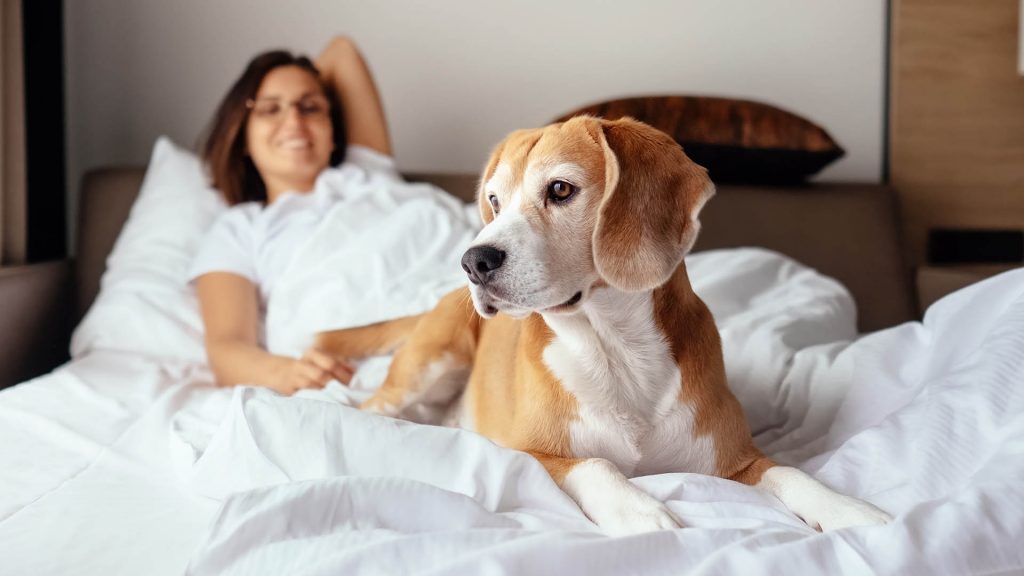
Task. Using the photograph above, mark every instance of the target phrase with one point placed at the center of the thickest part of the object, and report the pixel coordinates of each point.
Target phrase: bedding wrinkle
(72, 439)
(250, 433)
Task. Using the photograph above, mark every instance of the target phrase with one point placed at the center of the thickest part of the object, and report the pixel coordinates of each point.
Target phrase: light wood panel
(13, 202)
(956, 152)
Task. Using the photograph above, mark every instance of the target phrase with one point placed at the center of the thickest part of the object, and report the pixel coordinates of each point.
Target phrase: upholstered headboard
(846, 231)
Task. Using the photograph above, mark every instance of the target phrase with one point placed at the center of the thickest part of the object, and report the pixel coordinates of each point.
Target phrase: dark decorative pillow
(736, 140)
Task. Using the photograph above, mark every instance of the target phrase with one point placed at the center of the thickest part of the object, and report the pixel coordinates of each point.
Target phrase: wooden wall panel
(956, 116)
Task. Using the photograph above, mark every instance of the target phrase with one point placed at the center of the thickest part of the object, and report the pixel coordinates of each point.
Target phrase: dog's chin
(488, 305)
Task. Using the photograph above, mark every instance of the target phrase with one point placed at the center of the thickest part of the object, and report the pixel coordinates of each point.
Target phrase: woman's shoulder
(362, 171)
(368, 159)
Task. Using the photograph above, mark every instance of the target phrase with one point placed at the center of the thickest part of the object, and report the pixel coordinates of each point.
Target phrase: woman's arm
(345, 71)
(230, 308)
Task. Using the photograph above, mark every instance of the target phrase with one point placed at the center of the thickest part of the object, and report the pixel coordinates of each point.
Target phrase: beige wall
(457, 74)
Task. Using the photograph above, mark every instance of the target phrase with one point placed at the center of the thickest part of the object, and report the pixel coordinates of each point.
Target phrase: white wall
(456, 75)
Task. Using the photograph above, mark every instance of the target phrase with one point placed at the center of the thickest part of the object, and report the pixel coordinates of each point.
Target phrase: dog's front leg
(816, 504)
(606, 496)
(420, 385)
(364, 341)
(431, 369)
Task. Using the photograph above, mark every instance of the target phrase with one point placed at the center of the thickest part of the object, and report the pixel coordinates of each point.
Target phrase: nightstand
(934, 282)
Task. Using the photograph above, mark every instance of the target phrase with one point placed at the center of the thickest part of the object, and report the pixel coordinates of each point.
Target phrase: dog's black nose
(480, 261)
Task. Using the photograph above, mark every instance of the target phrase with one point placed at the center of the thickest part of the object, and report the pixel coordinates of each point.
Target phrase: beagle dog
(603, 364)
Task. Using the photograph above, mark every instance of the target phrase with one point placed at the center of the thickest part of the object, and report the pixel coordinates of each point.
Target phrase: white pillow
(145, 304)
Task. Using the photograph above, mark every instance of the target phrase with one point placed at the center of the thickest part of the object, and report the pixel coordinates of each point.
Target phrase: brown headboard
(846, 231)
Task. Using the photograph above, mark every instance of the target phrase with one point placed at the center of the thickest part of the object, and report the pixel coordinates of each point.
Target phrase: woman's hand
(230, 307)
(312, 371)
(340, 47)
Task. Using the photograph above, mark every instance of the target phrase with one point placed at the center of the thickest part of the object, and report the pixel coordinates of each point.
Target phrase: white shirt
(363, 246)
(257, 241)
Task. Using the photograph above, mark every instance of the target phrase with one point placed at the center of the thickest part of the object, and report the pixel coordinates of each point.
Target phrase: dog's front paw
(378, 405)
(816, 504)
(843, 511)
(613, 502)
(634, 516)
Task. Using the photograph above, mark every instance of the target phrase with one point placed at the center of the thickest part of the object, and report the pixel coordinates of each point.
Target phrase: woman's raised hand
(348, 76)
(338, 47)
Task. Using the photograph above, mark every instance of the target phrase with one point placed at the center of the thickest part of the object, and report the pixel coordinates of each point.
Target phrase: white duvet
(924, 420)
(384, 249)
(129, 461)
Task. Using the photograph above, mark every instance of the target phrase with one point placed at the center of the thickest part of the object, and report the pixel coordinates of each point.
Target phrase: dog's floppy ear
(647, 220)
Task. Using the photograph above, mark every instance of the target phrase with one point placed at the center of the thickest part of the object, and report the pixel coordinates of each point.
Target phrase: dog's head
(577, 205)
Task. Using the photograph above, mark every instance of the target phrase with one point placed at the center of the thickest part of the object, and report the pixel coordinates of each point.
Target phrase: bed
(128, 460)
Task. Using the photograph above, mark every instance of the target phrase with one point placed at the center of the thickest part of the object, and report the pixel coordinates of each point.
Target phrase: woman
(280, 126)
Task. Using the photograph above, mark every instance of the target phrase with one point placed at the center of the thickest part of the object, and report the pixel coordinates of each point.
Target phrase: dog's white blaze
(500, 180)
(614, 359)
(523, 274)
(815, 503)
(509, 225)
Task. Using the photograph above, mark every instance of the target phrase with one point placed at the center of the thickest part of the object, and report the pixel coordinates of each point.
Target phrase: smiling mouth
(296, 144)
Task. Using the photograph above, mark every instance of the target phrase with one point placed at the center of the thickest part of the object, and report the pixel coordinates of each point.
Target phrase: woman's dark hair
(231, 170)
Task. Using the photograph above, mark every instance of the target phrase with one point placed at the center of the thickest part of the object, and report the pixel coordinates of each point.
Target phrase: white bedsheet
(923, 420)
(134, 464)
(86, 482)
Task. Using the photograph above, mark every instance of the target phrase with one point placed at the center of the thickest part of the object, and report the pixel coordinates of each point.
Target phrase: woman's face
(288, 132)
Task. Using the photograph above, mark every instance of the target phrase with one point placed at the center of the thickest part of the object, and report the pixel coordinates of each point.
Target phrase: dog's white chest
(613, 358)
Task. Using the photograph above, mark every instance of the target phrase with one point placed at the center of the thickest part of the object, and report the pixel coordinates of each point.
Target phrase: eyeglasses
(312, 107)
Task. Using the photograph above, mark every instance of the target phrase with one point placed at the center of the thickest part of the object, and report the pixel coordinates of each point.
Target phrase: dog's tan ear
(648, 218)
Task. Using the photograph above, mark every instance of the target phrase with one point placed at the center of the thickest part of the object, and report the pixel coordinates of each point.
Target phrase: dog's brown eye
(494, 203)
(560, 190)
